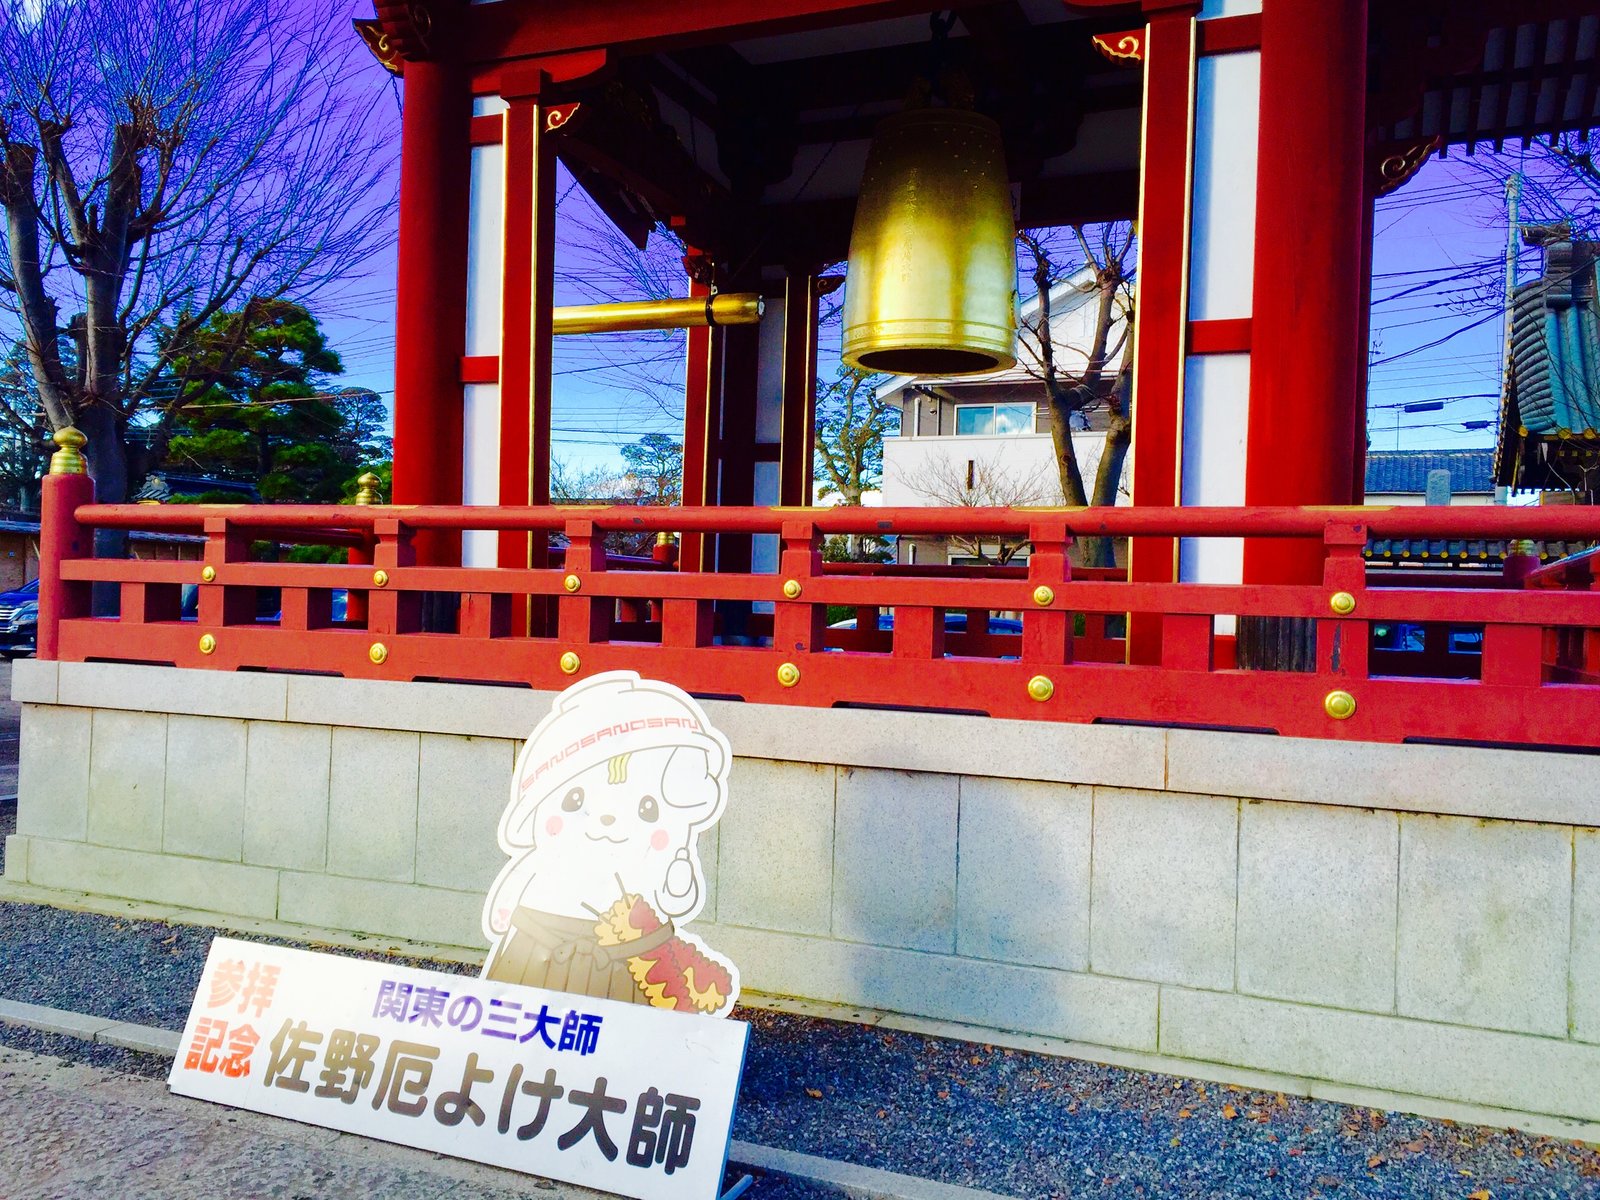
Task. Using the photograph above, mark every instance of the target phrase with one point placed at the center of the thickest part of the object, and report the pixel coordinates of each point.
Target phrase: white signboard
(624, 1097)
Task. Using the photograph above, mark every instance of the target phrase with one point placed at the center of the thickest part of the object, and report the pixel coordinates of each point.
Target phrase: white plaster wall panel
(1485, 912)
(407, 911)
(1451, 1062)
(1061, 1004)
(765, 548)
(1318, 890)
(769, 372)
(1164, 887)
(204, 810)
(463, 785)
(775, 847)
(1216, 401)
(1023, 873)
(196, 883)
(53, 771)
(894, 859)
(286, 795)
(485, 248)
(127, 778)
(1585, 992)
(1227, 128)
(372, 810)
(1228, 8)
(480, 466)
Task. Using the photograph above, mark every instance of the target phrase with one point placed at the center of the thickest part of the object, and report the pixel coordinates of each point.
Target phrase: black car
(19, 620)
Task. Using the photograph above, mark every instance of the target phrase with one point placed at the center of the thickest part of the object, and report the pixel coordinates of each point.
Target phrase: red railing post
(797, 621)
(1342, 637)
(584, 619)
(391, 609)
(62, 537)
(218, 603)
(1046, 625)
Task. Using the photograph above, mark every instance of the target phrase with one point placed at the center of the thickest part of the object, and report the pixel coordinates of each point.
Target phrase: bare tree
(956, 482)
(852, 420)
(162, 161)
(1080, 378)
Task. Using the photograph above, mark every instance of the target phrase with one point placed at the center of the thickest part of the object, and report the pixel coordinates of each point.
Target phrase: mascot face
(623, 819)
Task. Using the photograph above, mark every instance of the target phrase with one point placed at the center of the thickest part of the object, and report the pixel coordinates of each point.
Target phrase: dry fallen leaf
(1229, 1112)
(1375, 1161)
(814, 1093)
(944, 1095)
(1184, 1114)
(1480, 1194)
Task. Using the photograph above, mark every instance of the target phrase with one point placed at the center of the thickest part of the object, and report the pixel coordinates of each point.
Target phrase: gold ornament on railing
(69, 460)
(367, 489)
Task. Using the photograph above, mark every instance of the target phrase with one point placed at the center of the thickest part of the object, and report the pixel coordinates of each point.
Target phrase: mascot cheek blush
(607, 802)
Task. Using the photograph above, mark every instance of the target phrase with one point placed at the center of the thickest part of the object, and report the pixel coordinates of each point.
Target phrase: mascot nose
(608, 819)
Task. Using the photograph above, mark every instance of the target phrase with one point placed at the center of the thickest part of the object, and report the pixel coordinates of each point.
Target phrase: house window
(974, 419)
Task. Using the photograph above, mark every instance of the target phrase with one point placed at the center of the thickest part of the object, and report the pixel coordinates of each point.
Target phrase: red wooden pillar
(702, 421)
(61, 538)
(431, 294)
(799, 388)
(1163, 295)
(1309, 296)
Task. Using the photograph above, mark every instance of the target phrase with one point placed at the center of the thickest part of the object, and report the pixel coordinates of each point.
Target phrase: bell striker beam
(431, 293)
(1310, 223)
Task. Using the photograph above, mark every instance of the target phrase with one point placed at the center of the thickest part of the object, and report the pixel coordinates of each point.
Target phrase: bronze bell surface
(931, 284)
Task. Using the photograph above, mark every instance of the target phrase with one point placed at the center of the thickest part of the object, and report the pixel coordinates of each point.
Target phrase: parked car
(954, 622)
(19, 620)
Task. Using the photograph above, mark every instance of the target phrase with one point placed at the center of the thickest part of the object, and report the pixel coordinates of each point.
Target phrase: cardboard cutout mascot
(607, 801)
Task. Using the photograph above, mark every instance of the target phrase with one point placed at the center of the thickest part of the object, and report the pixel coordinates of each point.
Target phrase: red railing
(1055, 652)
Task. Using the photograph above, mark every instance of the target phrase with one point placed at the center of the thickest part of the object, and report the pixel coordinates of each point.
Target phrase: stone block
(1061, 1004)
(205, 787)
(286, 795)
(1485, 920)
(33, 681)
(53, 772)
(147, 1039)
(1024, 875)
(708, 845)
(1447, 1062)
(52, 1020)
(775, 842)
(402, 910)
(1318, 891)
(1451, 780)
(894, 878)
(127, 778)
(478, 710)
(372, 808)
(198, 883)
(463, 786)
(1165, 880)
(1585, 936)
(17, 858)
(245, 695)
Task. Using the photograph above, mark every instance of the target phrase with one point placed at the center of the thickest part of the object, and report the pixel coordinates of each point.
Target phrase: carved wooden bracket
(398, 32)
(1125, 48)
(1394, 163)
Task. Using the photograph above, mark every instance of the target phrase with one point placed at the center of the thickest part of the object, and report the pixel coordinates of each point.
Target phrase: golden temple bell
(931, 283)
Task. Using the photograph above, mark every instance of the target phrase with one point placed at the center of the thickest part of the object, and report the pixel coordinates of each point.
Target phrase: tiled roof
(1440, 552)
(1406, 471)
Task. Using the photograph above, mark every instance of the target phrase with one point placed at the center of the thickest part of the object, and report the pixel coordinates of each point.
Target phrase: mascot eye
(648, 811)
(573, 800)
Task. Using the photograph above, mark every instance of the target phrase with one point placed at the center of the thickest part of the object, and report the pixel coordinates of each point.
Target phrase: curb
(863, 1183)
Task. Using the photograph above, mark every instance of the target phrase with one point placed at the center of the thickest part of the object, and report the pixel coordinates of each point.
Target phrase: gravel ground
(1021, 1124)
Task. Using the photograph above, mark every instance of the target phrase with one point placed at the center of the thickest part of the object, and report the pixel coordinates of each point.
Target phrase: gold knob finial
(379, 653)
(1340, 705)
(207, 573)
(1526, 546)
(791, 588)
(1041, 688)
(207, 643)
(1342, 603)
(367, 485)
(1044, 596)
(570, 663)
(788, 674)
(663, 538)
(68, 459)
(572, 583)
(380, 578)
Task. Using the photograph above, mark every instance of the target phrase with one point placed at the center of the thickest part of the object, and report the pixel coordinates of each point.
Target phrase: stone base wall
(1422, 921)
